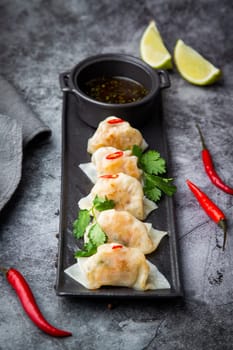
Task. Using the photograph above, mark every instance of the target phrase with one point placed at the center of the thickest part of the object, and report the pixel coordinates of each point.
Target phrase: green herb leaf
(81, 223)
(153, 194)
(153, 185)
(96, 235)
(152, 163)
(137, 151)
(102, 204)
(88, 250)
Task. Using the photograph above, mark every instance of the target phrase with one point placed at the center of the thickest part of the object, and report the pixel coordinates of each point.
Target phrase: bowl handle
(164, 79)
(64, 81)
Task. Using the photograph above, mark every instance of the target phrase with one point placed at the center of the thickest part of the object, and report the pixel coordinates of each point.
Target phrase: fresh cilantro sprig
(84, 215)
(153, 165)
(102, 204)
(81, 223)
(88, 250)
(96, 236)
(154, 185)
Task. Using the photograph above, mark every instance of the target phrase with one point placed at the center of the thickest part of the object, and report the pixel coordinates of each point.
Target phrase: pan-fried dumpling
(110, 160)
(116, 265)
(124, 228)
(124, 190)
(115, 134)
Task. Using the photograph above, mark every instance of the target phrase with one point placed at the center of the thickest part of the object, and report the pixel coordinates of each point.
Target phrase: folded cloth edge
(38, 134)
(11, 141)
(13, 105)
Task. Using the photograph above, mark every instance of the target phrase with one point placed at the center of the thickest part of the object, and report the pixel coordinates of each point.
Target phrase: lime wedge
(193, 67)
(153, 50)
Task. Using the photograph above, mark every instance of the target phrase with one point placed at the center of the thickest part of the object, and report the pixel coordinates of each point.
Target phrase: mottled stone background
(40, 39)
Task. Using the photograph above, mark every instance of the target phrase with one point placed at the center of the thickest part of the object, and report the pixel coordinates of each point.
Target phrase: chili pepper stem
(201, 137)
(223, 225)
(3, 270)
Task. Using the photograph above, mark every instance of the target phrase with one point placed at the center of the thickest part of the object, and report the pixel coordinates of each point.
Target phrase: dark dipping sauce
(118, 90)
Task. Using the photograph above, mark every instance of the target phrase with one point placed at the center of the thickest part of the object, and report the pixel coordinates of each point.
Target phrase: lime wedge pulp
(193, 67)
(152, 48)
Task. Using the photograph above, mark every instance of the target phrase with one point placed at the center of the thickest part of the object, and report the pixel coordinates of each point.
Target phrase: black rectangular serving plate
(76, 185)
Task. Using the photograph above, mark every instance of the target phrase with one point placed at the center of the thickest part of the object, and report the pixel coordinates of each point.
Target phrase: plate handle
(164, 79)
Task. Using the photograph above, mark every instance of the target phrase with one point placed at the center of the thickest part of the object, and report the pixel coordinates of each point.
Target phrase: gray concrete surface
(40, 39)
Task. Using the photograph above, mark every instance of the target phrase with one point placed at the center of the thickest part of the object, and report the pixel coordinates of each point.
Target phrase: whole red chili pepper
(22, 289)
(209, 167)
(210, 208)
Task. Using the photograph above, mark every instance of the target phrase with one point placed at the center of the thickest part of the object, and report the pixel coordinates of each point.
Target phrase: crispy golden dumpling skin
(116, 265)
(110, 160)
(124, 190)
(119, 135)
(123, 227)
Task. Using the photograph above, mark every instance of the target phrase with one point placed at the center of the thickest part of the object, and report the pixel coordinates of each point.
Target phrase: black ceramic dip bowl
(109, 67)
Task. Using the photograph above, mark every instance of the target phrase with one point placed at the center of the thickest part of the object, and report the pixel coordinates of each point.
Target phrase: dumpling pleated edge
(156, 280)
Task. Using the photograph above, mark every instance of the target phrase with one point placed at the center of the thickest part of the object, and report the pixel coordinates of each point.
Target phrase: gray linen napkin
(19, 125)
